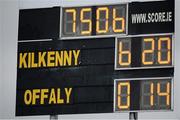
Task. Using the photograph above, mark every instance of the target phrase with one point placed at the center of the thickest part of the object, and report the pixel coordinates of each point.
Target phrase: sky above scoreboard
(25, 4)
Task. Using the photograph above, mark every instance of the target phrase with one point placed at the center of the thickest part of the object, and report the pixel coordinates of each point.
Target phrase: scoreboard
(96, 59)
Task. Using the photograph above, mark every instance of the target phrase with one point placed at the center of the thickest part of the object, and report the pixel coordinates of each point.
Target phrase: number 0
(160, 50)
(98, 12)
(120, 95)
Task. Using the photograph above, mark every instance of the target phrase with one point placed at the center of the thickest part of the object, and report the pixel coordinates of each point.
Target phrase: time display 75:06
(94, 20)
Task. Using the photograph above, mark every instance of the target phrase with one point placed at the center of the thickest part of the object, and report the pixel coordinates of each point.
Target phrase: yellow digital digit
(86, 21)
(73, 11)
(124, 52)
(147, 93)
(152, 96)
(115, 20)
(167, 93)
(168, 60)
(98, 12)
(149, 51)
(127, 95)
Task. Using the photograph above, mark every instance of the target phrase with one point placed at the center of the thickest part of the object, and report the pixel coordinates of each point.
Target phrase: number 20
(160, 50)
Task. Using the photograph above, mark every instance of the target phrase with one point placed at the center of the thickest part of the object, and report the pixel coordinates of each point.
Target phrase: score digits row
(88, 21)
(144, 52)
(149, 94)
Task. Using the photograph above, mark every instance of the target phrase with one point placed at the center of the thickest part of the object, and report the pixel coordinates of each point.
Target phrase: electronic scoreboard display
(96, 59)
(144, 52)
(142, 94)
(94, 20)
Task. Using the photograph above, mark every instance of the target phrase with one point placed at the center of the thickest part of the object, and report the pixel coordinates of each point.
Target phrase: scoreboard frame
(92, 36)
(139, 79)
(145, 67)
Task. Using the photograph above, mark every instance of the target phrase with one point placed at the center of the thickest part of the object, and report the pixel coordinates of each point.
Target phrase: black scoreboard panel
(92, 74)
(94, 20)
(144, 52)
(96, 59)
(41, 23)
(69, 88)
(151, 17)
(134, 94)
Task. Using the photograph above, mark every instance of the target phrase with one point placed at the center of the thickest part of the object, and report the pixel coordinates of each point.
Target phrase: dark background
(151, 7)
(43, 23)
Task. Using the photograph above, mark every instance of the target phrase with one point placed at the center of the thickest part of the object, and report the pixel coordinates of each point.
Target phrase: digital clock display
(142, 94)
(144, 52)
(95, 20)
